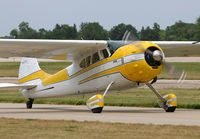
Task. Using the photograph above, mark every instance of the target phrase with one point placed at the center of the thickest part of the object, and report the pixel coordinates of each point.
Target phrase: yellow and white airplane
(97, 66)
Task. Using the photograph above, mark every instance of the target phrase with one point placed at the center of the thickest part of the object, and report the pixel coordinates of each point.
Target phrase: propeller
(155, 57)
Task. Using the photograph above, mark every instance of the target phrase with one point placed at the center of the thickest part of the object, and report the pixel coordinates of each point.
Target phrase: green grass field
(10, 69)
(187, 98)
(182, 51)
(53, 129)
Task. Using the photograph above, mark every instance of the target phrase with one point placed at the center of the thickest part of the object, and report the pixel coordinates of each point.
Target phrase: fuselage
(126, 65)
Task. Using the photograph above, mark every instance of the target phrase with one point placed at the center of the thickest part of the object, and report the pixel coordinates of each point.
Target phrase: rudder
(30, 70)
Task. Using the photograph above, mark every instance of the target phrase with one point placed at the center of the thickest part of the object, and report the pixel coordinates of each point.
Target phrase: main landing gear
(29, 103)
(168, 102)
(96, 102)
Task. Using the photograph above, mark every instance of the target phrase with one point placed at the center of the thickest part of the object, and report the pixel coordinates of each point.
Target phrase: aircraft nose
(154, 56)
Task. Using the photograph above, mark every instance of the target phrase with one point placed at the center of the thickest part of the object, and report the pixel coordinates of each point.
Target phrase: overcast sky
(46, 13)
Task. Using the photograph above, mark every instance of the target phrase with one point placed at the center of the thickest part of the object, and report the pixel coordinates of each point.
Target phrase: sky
(47, 13)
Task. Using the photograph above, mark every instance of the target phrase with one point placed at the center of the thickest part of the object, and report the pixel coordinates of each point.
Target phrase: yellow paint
(173, 103)
(58, 77)
(170, 96)
(117, 69)
(139, 71)
(99, 96)
(46, 78)
(40, 74)
(100, 104)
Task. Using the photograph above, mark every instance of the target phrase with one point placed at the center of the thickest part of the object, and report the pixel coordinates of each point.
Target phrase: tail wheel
(29, 103)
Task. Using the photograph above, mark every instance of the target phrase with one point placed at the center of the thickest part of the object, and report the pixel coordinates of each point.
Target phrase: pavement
(110, 114)
(182, 59)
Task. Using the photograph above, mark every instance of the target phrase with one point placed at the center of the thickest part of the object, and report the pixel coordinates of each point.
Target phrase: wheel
(170, 109)
(97, 110)
(29, 104)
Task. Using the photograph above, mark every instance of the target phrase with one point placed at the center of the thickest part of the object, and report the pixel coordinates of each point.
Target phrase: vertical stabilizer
(27, 67)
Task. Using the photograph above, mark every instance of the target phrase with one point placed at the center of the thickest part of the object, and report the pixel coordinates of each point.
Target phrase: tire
(97, 110)
(29, 104)
(170, 109)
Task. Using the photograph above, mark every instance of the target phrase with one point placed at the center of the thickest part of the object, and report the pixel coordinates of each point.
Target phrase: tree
(26, 32)
(93, 31)
(156, 32)
(14, 33)
(197, 32)
(117, 32)
(64, 32)
(149, 34)
(42, 33)
(180, 31)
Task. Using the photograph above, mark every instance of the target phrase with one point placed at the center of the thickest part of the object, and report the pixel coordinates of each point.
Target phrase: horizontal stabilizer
(11, 86)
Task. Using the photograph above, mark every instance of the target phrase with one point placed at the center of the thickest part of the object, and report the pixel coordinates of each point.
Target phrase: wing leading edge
(66, 49)
(176, 44)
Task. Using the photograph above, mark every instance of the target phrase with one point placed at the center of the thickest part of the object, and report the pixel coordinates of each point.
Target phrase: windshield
(114, 45)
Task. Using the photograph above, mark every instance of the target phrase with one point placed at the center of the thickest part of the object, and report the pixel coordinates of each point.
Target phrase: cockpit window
(95, 57)
(114, 45)
(104, 53)
(88, 59)
(83, 63)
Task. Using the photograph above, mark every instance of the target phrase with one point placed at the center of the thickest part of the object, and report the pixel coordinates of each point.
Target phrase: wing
(172, 44)
(11, 86)
(51, 49)
(179, 48)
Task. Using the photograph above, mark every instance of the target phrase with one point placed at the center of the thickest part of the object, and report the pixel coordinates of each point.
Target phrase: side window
(104, 53)
(111, 50)
(83, 63)
(95, 57)
(88, 59)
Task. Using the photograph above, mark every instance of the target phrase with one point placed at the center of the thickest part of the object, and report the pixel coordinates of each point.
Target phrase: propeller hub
(157, 55)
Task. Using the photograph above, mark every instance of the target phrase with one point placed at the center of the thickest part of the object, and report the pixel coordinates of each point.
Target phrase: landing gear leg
(29, 103)
(168, 102)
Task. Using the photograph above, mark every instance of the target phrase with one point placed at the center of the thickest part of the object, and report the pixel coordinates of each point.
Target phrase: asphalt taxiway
(109, 114)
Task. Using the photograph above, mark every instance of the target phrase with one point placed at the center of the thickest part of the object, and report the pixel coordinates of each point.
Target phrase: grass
(10, 69)
(182, 51)
(140, 97)
(50, 129)
(192, 70)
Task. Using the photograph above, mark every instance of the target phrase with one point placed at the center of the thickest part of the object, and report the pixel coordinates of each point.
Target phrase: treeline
(180, 31)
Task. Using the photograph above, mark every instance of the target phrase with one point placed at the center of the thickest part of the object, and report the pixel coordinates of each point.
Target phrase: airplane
(98, 66)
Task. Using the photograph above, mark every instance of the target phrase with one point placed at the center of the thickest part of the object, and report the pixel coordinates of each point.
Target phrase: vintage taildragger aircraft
(97, 66)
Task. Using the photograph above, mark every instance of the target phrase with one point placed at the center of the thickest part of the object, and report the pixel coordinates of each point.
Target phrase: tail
(30, 72)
